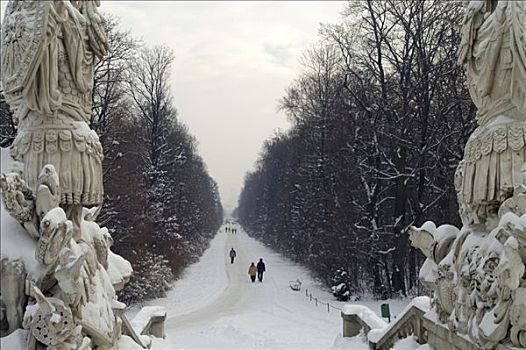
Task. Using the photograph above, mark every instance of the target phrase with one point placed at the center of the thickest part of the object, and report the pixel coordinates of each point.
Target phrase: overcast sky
(233, 62)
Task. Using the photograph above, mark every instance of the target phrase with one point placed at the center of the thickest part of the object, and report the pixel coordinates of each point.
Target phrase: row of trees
(161, 205)
(380, 117)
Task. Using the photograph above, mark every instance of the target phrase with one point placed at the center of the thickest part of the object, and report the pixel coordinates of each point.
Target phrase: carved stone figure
(67, 297)
(55, 233)
(48, 191)
(493, 51)
(478, 282)
(48, 53)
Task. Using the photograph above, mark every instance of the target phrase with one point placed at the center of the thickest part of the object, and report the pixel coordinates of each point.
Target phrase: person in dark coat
(232, 255)
(261, 269)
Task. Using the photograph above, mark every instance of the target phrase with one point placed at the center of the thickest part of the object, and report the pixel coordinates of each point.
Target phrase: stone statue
(477, 274)
(493, 51)
(49, 50)
(67, 298)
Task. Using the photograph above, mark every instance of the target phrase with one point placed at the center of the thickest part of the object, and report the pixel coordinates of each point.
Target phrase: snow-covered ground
(216, 306)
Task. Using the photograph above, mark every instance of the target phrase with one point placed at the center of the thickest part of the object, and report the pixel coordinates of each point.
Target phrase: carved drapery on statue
(49, 79)
(477, 272)
(493, 51)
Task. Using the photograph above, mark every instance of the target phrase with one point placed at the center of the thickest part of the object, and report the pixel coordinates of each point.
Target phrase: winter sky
(233, 62)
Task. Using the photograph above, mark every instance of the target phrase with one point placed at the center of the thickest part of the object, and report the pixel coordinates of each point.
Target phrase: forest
(380, 115)
(161, 206)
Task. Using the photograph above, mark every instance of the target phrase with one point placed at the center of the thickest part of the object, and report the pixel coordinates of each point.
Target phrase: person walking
(261, 269)
(252, 271)
(232, 255)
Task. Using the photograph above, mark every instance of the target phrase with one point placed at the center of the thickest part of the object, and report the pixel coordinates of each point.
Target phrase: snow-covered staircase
(383, 336)
(417, 320)
(149, 321)
(409, 323)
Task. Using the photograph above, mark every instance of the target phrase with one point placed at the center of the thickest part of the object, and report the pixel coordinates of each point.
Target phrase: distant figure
(232, 255)
(261, 269)
(227, 229)
(252, 270)
(235, 231)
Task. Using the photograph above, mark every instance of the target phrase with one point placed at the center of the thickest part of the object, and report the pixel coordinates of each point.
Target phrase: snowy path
(232, 298)
(216, 306)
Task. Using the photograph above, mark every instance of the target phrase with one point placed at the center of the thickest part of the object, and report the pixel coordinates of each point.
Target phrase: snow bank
(441, 232)
(423, 303)
(7, 163)
(140, 321)
(408, 343)
(428, 271)
(355, 343)
(119, 269)
(365, 314)
(513, 220)
(127, 343)
(15, 340)
(425, 347)
(16, 244)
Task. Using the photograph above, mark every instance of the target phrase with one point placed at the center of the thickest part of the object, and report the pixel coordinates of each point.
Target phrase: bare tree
(149, 88)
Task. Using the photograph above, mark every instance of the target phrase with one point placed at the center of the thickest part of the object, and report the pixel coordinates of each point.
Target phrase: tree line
(380, 114)
(161, 206)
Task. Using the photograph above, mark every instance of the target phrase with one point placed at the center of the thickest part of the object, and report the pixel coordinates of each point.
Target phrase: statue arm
(473, 10)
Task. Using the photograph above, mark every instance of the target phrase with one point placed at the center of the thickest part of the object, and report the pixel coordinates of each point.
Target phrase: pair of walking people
(256, 269)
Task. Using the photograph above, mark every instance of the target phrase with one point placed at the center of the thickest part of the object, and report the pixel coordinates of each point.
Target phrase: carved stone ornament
(477, 274)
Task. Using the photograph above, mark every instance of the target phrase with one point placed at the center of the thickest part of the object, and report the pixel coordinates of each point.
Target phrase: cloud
(281, 54)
